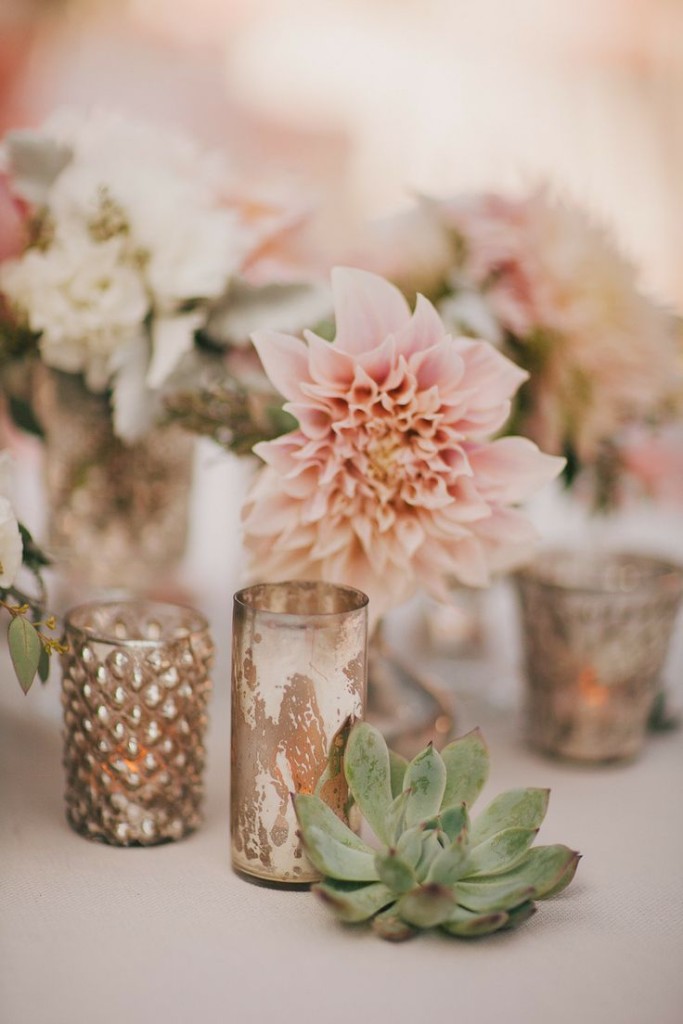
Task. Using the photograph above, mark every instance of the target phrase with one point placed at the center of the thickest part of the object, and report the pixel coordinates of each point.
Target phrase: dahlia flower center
(382, 455)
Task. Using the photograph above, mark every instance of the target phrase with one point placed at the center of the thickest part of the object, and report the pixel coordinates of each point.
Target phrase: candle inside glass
(134, 693)
(596, 629)
(299, 667)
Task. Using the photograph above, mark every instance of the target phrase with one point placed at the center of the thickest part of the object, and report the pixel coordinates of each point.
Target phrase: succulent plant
(433, 868)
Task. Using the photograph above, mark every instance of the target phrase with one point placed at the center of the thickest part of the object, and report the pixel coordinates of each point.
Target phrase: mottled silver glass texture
(596, 630)
(116, 511)
(135, 688)
(299, 666)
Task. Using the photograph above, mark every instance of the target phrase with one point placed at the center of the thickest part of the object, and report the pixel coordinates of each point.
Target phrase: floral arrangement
(392, 478)
(125, 243)
(547, 285)
(30, 645)
(432, 867)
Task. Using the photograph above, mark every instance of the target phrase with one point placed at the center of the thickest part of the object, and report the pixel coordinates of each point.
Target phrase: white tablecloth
(90, 934)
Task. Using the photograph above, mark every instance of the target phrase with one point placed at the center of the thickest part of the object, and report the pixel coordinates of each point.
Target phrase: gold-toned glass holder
(299, 665)
(135, 688)
(596, 629)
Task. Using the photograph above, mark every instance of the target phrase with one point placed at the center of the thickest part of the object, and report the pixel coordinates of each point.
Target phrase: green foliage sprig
(434, 868)
(28, 633)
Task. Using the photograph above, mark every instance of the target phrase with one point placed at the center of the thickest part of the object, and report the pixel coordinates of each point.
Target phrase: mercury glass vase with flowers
(393, 478)
(129, 240)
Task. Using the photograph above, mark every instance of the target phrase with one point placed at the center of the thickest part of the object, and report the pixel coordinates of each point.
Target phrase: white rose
(11, 547)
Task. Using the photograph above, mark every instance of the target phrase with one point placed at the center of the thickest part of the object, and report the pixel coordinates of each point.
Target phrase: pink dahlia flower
(391, 480)
(602, 354)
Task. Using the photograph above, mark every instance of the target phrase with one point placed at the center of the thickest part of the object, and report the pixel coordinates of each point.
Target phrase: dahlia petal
(313, 422)
(285, 360)
(492, 376)
(511, 469)
(379, 362)
(440, 367)
(367, 308)
(328, 364)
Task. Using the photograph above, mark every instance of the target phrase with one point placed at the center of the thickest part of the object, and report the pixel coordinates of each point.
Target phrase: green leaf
(431, 848)
(44, 665)
(388, 925)
(449, 865)
(425, 780)
(397, 769)
(366, 764)
(334, 860)
(452, 821)
(24, 417)
(518, 808)
(468, 924)
(518, 915)
(491, 896)
(395, 821)
(409, 846)
(25, 649)
(467, 768)
(353, 903)
(549, 869)
(394, 872)
(312, 811)
(500, 852)
(330, 845)
(427, 906)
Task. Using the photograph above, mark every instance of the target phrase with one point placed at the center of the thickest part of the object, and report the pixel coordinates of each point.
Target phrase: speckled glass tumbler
(299, 665)
(134, 694)
(596, 630)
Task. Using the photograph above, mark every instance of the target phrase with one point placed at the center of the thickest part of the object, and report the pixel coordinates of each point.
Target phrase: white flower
(82, 299)
(11, 547)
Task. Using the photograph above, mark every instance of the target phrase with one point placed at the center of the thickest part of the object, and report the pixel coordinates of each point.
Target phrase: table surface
(91, 933)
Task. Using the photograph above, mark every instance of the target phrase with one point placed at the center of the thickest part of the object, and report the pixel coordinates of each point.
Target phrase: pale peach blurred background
(366, 100)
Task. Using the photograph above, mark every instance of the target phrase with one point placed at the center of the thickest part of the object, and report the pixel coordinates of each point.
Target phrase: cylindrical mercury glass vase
(596, 629)
(299, 655)
(135, 689)
(117, 511)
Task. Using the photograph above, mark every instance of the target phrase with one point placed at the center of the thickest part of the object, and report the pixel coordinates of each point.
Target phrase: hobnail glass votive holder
(134, 694)
(596, 629)
(299, 666)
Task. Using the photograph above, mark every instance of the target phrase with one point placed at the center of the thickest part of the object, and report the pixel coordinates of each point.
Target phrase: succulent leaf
(518, 915)
(425, 778)
(518, 808)
(427, 905)
(395, 822)
(449, 865)
(467, 768)
(367, 768)
(466, 923)
(409, 846)
(452, 821)
(490, 896)
(311, 810)
(397, 771)
(388, 925)
(549, 869)
(354, 904)
(394, 872)
(501, 852)
(334, 860)
(431, 848)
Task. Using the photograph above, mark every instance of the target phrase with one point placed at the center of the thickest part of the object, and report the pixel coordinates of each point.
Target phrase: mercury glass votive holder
(299, 667)
(134, 694)
(596, 629)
